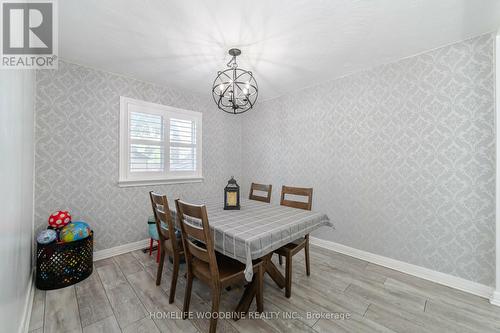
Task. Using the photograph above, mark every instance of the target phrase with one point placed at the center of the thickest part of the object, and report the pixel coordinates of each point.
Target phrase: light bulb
(221, 86)
(247, 85)
(245, 91)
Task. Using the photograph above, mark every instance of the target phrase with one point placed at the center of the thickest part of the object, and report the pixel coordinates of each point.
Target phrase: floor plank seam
(107, 296)
(112, 309)
(368, 313)
(78, 307)
(109, 301)
(166, 268)
(153, 277)
(136, 295)
(44, 309)
(312, 326)
(364, 313)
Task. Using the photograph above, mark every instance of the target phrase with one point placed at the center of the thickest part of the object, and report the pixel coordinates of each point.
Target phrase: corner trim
(448, 280)
(25, 322)
(495, 298)
(121, 249)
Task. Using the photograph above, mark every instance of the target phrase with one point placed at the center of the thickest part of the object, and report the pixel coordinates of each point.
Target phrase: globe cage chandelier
(235, 90)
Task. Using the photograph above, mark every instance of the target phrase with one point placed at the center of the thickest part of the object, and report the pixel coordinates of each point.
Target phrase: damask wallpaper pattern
(401, 157)
(77, 123)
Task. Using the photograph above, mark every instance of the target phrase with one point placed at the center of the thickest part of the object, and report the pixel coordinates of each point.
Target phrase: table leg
(273, 271)
(251, 289)
(246, 299)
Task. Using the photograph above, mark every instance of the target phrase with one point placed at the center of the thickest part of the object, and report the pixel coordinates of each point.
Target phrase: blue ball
(74, 231)
(46, 236)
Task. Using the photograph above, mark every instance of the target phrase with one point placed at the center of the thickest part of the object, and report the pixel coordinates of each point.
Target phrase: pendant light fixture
(234, 90)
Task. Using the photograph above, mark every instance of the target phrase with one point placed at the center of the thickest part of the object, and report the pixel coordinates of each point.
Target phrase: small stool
(153, 236)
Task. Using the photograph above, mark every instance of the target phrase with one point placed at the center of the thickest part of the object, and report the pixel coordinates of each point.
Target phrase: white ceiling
(287, 44)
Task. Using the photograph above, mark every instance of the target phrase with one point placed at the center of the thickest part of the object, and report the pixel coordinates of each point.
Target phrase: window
(158, 144)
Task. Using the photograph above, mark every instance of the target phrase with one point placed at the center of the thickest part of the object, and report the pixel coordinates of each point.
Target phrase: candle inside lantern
(232, 195)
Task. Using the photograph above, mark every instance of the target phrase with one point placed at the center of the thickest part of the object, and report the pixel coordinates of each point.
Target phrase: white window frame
(127, 178)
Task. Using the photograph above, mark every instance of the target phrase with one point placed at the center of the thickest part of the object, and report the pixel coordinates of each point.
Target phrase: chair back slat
(161, 213)
(263, 188)
(198, 251)
(186, 213)
(193, 211)
(156, 199)
(297, 191)
(194, 231)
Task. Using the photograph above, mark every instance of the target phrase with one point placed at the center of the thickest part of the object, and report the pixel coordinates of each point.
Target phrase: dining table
(253, 232)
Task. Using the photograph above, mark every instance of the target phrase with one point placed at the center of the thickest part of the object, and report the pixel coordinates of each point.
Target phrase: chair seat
(292, 247)
(229, 268)
(153, 232)
(168, 246)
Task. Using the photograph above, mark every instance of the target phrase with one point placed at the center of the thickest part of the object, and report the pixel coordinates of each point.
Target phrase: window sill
(132, 183)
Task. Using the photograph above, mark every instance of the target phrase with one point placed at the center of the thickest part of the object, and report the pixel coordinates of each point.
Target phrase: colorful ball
(74, 231)
(59, 219)
(46, 236)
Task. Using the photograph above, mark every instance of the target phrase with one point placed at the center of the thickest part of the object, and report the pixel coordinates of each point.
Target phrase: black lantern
(232, 195)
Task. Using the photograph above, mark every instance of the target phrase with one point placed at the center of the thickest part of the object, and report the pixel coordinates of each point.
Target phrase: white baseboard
(418, 271)
(117, 250)
(495, 298)
(25, 322)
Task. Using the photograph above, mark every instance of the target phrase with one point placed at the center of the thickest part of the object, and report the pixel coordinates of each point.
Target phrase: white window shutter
(147, 152)
(182, 145)
(158, 144)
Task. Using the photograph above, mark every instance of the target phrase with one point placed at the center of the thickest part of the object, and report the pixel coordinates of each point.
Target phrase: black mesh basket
(59, 265)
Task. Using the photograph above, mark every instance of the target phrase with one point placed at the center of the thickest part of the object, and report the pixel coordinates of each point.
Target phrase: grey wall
(77, 119)
(401, 157)
(16, 195)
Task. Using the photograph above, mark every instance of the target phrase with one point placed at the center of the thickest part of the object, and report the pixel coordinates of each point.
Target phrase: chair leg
(308, 263)
(288, 276)
(259, 296)
(280, 260)
(158, 250)
(150, 246)
(187, 295)
(215, 309)
(160, 265)
(175, 274)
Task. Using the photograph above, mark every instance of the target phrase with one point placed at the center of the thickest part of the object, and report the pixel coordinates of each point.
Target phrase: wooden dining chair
(291, 249)
(214, 269)
(263, 188)
(168, 242)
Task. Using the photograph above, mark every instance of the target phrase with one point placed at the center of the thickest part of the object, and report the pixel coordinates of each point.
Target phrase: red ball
(59, 219)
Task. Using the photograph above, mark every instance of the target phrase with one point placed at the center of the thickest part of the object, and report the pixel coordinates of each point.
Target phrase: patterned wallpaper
(77, 114)
(401, 157)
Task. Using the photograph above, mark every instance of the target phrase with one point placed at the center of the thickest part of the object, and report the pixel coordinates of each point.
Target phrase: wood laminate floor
(343, 294)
